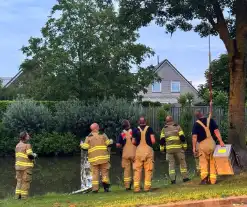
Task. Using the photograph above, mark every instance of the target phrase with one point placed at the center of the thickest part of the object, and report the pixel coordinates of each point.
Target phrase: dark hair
(125, 124)
(23, 135)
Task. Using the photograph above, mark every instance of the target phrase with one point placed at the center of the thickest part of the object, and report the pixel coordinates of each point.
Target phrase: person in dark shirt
(149, 136)
(202, 133)
(143, 138)
(124, 141)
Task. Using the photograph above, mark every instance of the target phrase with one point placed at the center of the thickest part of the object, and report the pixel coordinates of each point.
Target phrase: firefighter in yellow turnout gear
(173, 140)
(144, 138)
(204, 131)
(129, 150)
(98, 156)
(23, 166)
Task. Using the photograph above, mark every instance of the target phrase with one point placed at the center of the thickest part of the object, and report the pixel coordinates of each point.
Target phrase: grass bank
(161, 194)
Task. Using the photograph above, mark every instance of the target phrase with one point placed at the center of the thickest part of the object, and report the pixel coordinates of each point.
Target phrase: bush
(72, 116)
(186, 123)
(55, 143)
(7, 142)
(27, 115)
(151, 104)
(76, 117)
(3, 107)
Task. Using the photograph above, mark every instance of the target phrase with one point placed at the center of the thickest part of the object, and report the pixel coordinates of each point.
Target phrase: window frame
(172, 82)
(159, 88)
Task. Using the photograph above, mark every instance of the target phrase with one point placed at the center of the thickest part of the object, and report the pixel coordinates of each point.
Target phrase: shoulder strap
(199, 122)
(145, 129)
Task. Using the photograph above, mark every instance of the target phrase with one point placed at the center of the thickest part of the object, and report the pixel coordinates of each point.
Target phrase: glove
(111, 142)
(35, 155)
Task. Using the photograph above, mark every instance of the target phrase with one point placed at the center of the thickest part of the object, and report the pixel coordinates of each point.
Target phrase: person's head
(24, 136)
(142, 121)
(94, 127)
(198, 114)
(169, 119)
(126, 124)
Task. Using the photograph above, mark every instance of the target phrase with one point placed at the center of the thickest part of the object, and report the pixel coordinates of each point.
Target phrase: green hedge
(57, 127)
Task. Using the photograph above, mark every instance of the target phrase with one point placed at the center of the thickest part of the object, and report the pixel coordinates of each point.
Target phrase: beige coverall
(206, 150)
(144, 159)
(128, 157)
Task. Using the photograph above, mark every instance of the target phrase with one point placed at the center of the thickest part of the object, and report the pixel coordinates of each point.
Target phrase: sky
(21, 19)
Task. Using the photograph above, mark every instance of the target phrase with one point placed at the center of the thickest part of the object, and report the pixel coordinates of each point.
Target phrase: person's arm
(85, 145)
(194, 141)
(152, 136)
(217, 132)
(194, 138)
(108, 142)
(135, 137)
(119, 142)
(181, 134)
(30, 153)
(162, 140)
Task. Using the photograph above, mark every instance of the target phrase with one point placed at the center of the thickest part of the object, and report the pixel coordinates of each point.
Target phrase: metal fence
(152, 115)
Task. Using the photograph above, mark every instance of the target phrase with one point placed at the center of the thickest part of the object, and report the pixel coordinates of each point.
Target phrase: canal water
(62, 174)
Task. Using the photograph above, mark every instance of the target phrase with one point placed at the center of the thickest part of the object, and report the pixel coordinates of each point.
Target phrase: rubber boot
(106, 187)
(186, 180)
(128, 189)
(204, 181)
(18, 197)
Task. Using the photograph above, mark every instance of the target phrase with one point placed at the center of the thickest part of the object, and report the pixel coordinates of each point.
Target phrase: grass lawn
(161, 194)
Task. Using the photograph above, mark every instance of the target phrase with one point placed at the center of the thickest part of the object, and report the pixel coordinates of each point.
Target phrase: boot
(186, 180)
(127, 189)
(204, 181)
(18, 197)
(106, 187)
(173, 182)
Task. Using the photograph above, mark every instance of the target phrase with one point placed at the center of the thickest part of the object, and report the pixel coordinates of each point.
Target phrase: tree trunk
(237, 134)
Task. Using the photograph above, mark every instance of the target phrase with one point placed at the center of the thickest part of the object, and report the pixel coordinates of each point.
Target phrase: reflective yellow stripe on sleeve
(107, 142)
(162, 134)
(29, 151)
(181, 133)
(84, 146)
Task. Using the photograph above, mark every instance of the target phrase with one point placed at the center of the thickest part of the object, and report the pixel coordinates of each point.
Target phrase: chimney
(158, 60)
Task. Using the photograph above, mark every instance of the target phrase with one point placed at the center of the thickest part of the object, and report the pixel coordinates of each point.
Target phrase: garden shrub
(76, 116)
(55, 143)
(27, 115)
(72, 116)
(3, 107)
(7, 142)
(186, 118)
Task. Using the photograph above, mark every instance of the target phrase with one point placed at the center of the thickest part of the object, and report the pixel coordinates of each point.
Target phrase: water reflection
(62, 175)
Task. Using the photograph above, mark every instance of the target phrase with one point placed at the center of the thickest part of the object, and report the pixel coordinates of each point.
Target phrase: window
(175, 87)
(156, 87)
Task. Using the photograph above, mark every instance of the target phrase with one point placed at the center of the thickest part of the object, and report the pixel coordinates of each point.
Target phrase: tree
(84, 52)
(226, 18)
(186, 99)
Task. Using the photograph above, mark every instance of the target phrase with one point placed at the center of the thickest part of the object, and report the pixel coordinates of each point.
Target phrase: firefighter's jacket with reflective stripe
(96, 144)
(172, 138)
(23, 152)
